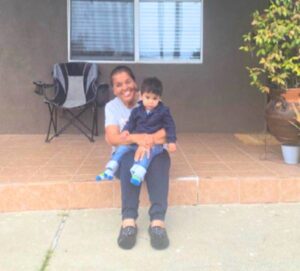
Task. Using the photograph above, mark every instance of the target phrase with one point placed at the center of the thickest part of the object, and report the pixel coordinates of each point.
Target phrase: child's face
(150, 100)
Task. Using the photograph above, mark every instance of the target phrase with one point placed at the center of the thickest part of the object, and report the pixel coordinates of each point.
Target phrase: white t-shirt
(116, 113)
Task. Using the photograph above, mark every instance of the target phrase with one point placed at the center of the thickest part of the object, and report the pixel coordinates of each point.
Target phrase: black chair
(75, 89)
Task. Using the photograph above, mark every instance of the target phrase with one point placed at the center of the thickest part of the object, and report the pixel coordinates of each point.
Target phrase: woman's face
(125, 88)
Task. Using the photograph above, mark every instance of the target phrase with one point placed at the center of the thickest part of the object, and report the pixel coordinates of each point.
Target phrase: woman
(117, 112)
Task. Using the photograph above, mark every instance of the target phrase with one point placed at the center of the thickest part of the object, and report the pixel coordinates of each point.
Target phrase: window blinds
(167, 30)
(102, 30)
(170, 30)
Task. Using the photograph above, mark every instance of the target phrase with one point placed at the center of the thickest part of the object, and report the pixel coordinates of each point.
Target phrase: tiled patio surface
(206, 169)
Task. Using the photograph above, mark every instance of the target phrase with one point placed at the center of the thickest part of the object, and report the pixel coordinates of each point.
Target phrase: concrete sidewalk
(205, 238)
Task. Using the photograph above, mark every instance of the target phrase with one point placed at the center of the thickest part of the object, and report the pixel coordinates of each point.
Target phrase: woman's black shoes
(127, 237)
(159, 237)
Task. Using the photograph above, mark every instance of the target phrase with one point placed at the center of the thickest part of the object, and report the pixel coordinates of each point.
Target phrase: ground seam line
(83, 161)
(253, 159)
(54, 243)
(59, 230)
(189, 164)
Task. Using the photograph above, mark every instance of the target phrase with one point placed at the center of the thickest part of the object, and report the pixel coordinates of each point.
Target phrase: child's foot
(136, 180)
(106, 175)
(133, 169)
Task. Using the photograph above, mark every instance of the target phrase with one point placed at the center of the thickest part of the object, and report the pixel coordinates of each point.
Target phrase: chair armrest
(102, 94)
(40, 87)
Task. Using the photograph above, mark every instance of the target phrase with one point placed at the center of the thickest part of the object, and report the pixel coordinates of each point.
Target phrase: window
(135, 30)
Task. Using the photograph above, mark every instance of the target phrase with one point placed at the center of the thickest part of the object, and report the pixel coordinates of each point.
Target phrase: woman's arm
(113, 137)
(145, 141)
(159, 137)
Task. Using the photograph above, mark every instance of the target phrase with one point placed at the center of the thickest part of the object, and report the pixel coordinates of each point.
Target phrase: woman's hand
(149, 140)
(145, 144)
(141, 152)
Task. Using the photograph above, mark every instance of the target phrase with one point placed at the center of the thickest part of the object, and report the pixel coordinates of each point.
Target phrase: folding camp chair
(75, 89)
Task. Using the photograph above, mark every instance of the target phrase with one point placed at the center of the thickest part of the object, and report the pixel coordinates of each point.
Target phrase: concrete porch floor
(206, 169)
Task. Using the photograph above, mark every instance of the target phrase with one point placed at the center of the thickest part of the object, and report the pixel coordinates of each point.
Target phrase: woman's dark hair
(152, 85)
(119, 69)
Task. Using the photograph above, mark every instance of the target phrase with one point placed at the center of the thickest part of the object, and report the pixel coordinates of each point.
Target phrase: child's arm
(131, 123)
(172, 147)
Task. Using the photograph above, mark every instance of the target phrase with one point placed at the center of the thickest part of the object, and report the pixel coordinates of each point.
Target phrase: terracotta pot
(292, 95)
(279, 115)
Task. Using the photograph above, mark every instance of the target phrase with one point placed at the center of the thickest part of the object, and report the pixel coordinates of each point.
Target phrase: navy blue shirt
(160, 117)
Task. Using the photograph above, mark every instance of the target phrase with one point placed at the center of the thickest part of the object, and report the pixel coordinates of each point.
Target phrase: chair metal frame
(73, 119)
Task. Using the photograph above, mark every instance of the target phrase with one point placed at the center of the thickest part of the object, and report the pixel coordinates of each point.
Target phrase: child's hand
(124, 135)
(171, 147)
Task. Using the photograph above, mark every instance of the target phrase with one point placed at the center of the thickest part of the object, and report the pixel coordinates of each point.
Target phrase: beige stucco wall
(211, 97)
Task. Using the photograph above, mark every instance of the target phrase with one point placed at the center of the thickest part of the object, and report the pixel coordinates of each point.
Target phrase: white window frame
(136, 42)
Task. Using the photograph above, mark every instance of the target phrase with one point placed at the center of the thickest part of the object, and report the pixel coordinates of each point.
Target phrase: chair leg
(96, 121)
(55, 126)
(52, 122)
(73, 118)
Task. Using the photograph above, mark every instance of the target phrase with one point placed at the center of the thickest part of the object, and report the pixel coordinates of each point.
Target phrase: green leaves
(275, 40)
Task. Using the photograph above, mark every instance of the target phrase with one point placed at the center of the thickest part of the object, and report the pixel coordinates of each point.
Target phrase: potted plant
(274, 41)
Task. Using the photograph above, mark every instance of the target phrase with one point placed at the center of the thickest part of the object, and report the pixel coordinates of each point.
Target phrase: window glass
(102, 30)
(170, 30)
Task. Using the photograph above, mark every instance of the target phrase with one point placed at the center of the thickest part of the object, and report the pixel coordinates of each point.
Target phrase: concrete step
(78, 195)
(90, 194)
(206, 169)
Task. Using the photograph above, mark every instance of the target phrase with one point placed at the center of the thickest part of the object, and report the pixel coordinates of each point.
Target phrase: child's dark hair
(152, 85)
